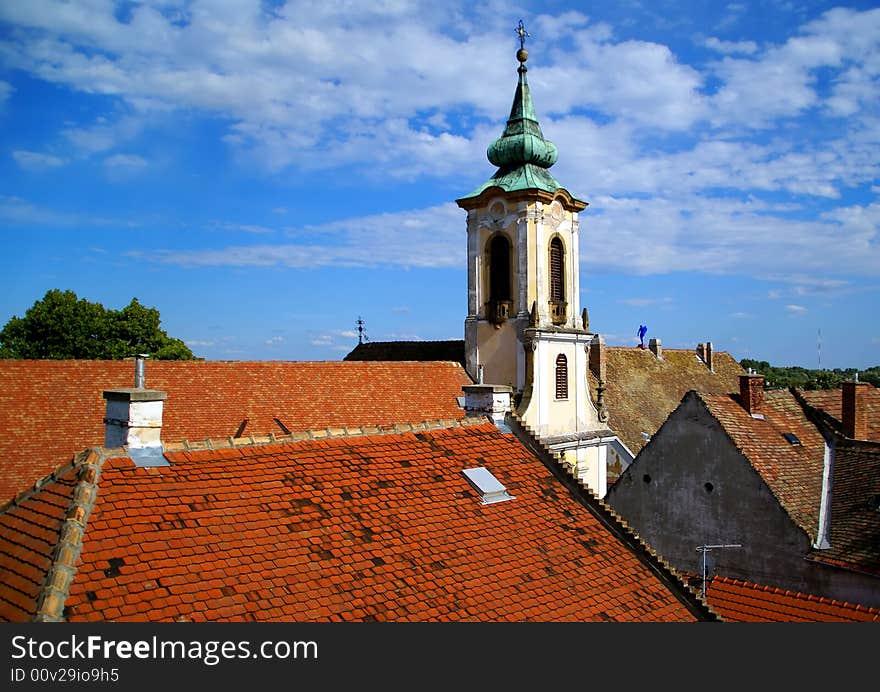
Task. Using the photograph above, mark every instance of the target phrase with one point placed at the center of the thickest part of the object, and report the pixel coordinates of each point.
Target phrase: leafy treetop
(805, 378)
(63, 326)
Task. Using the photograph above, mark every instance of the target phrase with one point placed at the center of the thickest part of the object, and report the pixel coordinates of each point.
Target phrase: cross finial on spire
(521, 31)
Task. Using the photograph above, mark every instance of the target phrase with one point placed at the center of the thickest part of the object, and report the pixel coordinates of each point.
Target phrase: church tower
(524, 326)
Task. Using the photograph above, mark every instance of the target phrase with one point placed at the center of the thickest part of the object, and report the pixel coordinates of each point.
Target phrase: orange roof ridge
(56, 588)
(320, 434)
(615, 518)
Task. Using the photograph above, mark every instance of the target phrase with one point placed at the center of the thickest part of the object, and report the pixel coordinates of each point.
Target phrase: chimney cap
(135, 394)
(486, 388)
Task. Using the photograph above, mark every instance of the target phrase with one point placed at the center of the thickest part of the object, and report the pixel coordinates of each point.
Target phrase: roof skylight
(490, 488)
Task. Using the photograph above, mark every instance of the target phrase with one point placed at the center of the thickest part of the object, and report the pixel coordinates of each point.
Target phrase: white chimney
(493, 400)
(133, 420)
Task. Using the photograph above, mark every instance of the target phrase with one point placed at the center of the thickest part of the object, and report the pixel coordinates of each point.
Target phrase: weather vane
(521, 31)
(362, 332)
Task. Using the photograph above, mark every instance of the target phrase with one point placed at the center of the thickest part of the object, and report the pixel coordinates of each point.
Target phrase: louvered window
(499, 268)
(561, 377)
(557, 271)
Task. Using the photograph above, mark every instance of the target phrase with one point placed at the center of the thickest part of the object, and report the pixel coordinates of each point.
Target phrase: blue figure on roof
(642, 331)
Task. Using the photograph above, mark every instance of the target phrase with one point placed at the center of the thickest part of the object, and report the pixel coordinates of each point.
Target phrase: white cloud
(245, 227)
(368, 241)
(782, 81)
(340, 340)
(125, 161)
(647, 236)
(5, 91)
(741, 315)
(400, 309)
(35, 161)
(796, 309)
(731, 47)
(199, 343)
(645, 302)
(274, 341)
(293, 98)
(676, 174)
(104, 134)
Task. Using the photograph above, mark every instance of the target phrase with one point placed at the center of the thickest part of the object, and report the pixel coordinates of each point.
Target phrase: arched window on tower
(561, 377)
(557, 281)
(500, 298)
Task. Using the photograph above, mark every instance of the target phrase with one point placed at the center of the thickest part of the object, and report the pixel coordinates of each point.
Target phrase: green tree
(805, 378)
(63, 326)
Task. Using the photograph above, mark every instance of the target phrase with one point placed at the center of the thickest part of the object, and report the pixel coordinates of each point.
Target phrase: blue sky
(264, 172)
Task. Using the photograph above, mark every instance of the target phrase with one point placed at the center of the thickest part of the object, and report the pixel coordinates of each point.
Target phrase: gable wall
(675, 513)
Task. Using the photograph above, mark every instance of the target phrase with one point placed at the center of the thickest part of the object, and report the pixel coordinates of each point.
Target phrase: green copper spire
(521, 152)
(522, 141)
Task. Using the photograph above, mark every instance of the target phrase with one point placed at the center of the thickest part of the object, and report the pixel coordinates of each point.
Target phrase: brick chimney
(855, 412)
(751, 393)
(656, 348)
(493, 400)
(134, 420)
(597, 357)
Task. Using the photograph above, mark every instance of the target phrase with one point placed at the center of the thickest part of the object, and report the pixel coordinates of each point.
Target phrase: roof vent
(791, 438)
(487, 485)
(140, 378)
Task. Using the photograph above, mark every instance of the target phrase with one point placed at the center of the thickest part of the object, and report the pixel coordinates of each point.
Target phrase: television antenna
(705, 549)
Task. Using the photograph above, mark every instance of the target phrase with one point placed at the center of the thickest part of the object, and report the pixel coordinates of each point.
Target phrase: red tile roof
(831, 401)
(51, 409)
(739, 601)
(792, 472)
(641, 391)
(376, 527)
(28, 534)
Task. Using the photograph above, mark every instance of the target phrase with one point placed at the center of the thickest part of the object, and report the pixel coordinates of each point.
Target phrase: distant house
(769, 473)
(643, 386)
(50, 410)
(452, 520)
